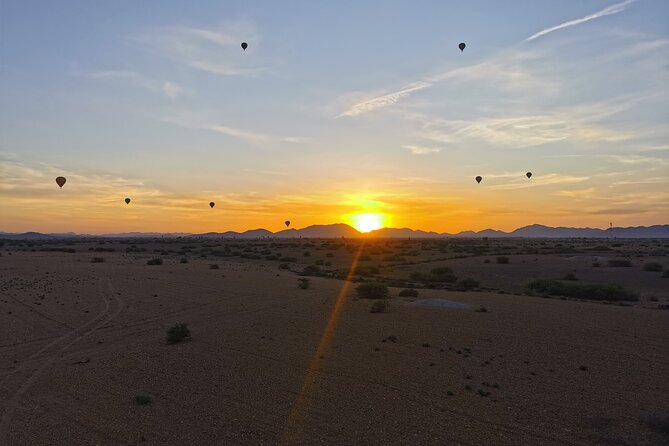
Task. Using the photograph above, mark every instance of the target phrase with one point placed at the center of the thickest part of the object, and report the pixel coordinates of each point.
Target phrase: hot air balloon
(60, 181)
(529, 174)
(212, 204)
(287, 223)
(244, 45)
(127, 201)
(462, 46)
(479, 178)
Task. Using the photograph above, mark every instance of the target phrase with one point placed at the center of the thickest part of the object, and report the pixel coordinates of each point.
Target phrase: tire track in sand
(113, 307)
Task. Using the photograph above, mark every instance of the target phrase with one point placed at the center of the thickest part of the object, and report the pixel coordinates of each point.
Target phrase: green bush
(503, 260)
(652, 266)
(442, 274)
(303, 283)
(154, 262)
(177, 333)
(366, 270)
(143, 400)
(603, 291)
(311, 270)
(409, 292)
(372, 290)
(618, 263)
(379, 306)
(468, 284)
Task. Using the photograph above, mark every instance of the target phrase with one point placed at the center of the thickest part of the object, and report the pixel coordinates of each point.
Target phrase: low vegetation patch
(303, 283)
(409, 292)
(372, 290)
(154, 262)
(311, 270)
(143, 400)
(594, 291)
(503, 260)
(570, 276)
(442, 274)
(379, 306)
(468, 284)
(213, 266)
(619, 263)
(98, 260)
(658, 422)
(652, 266)
(177, 333)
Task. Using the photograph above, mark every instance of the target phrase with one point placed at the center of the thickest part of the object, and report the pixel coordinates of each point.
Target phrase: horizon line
(358, 233)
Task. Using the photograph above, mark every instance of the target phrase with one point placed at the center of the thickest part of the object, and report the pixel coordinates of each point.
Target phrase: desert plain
(283, 349)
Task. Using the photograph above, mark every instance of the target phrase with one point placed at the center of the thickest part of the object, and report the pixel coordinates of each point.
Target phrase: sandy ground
(80, 340)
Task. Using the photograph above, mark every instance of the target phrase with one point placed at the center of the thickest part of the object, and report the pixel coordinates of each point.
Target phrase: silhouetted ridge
(339, 230)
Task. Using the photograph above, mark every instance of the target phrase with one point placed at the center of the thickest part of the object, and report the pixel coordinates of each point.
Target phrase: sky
(335, 109)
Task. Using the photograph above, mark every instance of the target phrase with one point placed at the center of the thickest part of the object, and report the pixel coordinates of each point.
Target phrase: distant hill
(402, 233)
(343, 230)
(321, 231)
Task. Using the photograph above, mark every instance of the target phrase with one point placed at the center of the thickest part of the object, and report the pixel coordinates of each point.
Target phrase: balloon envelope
(127, 201)
(212, 204)
(60, 181)
(462, 46)
(529, 174)
(244, 45)
(478, 179)
(287, 223)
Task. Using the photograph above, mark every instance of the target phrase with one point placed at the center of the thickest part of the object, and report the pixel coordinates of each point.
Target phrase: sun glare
(367, 222)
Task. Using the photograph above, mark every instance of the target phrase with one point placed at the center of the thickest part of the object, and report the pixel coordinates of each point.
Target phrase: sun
(367, 222)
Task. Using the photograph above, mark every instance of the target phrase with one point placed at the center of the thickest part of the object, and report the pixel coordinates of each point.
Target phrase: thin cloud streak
(166, 88)
(245, 135)
(385, 100)
(420, 150)
(610, 10)
(214, 51)
(544, 180)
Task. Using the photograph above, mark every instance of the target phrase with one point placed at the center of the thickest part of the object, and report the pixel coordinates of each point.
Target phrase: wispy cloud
(610, 10)
(384, 100)
(245, 135)
(543, 180)
(421, 150)
(212, 50)
(577, 123)
(166, 88)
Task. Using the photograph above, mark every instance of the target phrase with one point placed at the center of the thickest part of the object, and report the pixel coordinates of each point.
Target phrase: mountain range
(343, 230)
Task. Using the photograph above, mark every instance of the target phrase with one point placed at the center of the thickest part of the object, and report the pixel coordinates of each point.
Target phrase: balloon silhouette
(478, 179)
(462, 46)
(287, 223)
(244, 45)
(212, 204)
(529, 174)
(60, 181)
(127, 201)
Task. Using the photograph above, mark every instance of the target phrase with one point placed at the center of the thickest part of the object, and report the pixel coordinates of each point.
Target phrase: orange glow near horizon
(369, 221)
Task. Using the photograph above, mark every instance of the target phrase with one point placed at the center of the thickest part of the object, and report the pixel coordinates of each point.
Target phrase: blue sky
(335, 109)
